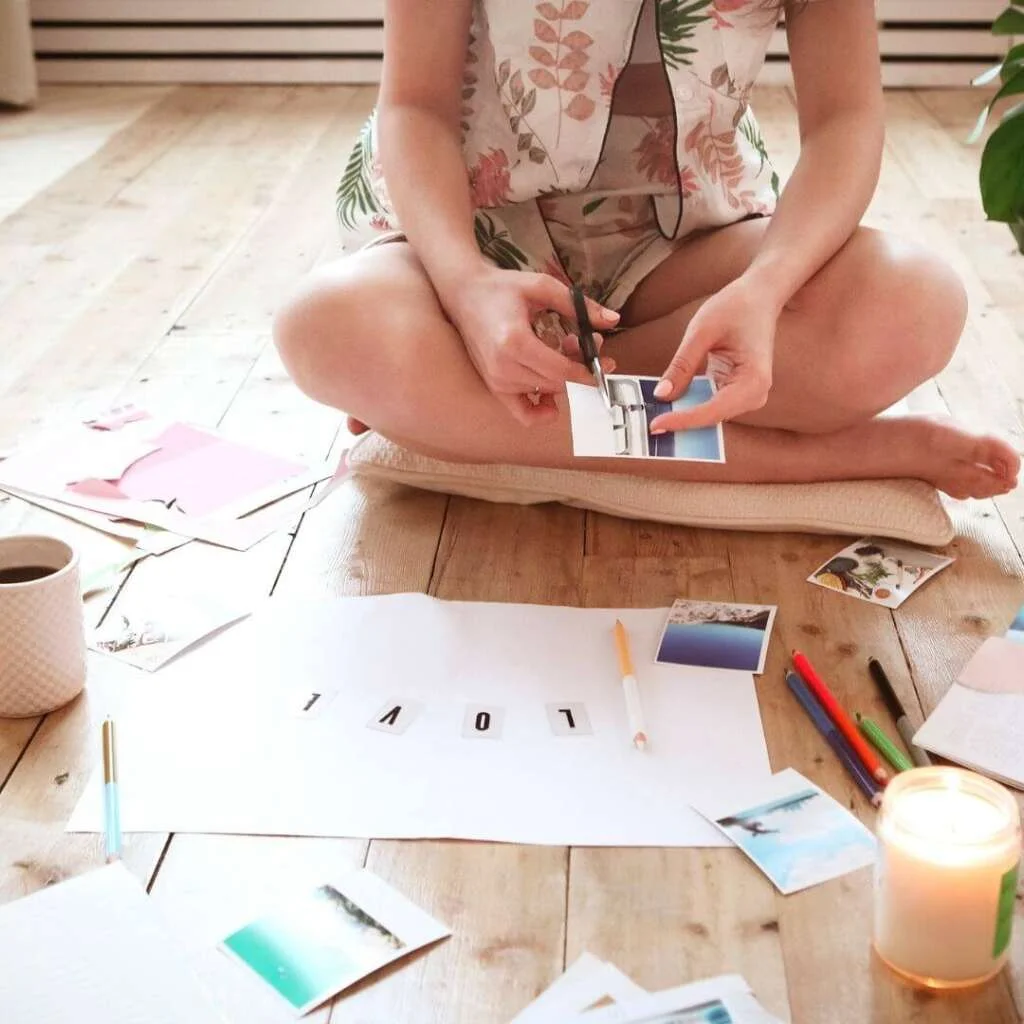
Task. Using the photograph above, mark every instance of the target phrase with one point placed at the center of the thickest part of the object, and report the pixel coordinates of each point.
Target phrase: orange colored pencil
(842, 720)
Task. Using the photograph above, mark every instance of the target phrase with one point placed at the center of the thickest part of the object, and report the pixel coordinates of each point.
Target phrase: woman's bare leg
(368, 336)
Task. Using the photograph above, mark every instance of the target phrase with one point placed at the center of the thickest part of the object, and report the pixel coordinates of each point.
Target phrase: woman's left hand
(731, 338)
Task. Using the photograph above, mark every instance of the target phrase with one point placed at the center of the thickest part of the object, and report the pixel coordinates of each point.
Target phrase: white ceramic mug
(42, 625)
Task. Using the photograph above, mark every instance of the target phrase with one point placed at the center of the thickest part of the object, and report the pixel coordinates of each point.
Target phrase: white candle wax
(949, 849)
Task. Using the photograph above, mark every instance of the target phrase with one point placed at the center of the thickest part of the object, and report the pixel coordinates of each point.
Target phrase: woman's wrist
(770, 280)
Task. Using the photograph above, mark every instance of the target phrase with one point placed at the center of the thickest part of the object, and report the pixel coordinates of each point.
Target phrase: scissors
(588, 347)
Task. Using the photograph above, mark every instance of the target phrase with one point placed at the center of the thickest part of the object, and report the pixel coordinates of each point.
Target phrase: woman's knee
(326, 332)
(913, 305)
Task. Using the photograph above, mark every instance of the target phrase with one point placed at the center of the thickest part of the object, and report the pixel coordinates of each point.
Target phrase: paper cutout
(395, 715)
(117, 417)
(303, 702)
(482, 722)
(997, 667)
(196, 484)
(569, 718)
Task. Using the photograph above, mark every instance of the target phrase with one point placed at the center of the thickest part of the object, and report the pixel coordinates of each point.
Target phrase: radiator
(923, 42)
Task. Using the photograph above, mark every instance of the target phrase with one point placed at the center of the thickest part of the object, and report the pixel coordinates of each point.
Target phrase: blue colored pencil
(834, 738)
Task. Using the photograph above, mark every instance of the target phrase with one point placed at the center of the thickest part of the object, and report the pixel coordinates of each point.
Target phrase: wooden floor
(147, 235)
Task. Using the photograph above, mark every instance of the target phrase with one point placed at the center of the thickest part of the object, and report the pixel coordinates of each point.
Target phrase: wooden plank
(192, 40)
(668, 916)
(240, 71)
(39, 146)
(206, 10)
(925, 41)
(141, 303)
(57, 213)
(288, 238)
(896, 74)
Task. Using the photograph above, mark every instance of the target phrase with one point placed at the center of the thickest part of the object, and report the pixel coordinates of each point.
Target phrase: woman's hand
(731, 338)
(494, 311)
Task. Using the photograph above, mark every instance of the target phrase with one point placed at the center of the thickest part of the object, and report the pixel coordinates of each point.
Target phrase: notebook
(980, 721)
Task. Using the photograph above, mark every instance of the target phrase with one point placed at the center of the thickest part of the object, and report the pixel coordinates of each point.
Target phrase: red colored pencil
(843, 722)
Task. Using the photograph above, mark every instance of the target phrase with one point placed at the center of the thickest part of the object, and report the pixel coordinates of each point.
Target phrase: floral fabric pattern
(536, 128)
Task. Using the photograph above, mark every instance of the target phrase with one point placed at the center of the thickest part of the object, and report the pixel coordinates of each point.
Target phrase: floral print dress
(560, 184)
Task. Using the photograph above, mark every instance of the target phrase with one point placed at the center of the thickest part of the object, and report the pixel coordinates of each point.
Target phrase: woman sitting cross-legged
(517, 148)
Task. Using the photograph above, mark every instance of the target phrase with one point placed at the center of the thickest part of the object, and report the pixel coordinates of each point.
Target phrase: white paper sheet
(982, 731)
(727, 999)
(587, 981)
(95, 949)
(207, 747)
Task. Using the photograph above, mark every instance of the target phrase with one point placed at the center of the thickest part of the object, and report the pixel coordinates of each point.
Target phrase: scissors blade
(589, 347)
(602, 384)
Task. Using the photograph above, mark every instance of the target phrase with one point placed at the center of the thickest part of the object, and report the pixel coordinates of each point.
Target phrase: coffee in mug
(42, 625)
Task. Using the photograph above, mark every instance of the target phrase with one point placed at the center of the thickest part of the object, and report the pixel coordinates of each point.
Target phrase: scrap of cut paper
(139, 472)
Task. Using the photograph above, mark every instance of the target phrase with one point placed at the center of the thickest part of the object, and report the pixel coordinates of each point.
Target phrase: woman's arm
(834, 55)
(833, 46)
(418, 118)
(418, 115)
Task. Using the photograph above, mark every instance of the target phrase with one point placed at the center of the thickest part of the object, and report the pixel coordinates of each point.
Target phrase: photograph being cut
(624, 430)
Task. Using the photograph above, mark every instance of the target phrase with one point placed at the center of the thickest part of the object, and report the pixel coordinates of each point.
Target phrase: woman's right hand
(494, 311)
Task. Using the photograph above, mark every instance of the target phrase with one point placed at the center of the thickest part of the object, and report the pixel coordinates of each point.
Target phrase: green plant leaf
(988, 76)
(1014, 60)
(1009, 23)
(1013, 86)
(354, 194)
(1002, 170)
(1018, 233)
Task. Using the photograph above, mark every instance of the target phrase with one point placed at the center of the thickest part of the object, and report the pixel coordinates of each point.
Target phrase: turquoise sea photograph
(801, 838)
(710, 634)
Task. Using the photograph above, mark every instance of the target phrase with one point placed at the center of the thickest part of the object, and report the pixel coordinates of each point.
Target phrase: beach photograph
(712, 634)
(801, 838)
(315, 947)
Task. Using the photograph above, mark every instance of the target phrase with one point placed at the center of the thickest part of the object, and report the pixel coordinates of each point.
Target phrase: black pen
(899, 714)
(588, 346)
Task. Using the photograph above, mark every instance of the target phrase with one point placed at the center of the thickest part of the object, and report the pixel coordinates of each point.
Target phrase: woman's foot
(956, 461)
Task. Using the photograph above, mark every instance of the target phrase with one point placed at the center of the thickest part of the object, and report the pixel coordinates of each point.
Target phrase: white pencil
(630, 688)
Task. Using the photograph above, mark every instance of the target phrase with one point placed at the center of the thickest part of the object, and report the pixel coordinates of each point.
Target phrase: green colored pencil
(884, 745)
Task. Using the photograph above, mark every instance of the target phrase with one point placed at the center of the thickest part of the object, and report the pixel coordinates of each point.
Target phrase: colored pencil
(843, 721)
(893, 703)
(111, 795)
(876, 737)
(630, 688)
(834, 738)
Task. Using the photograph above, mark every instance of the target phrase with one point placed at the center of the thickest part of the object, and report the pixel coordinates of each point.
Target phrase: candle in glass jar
(946, 876)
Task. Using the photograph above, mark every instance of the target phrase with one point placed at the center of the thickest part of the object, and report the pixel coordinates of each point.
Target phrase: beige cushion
(903, 509)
